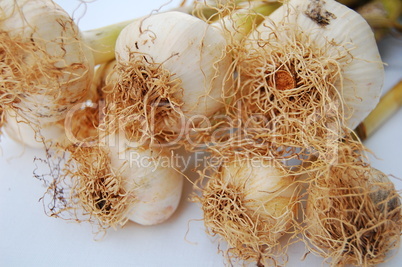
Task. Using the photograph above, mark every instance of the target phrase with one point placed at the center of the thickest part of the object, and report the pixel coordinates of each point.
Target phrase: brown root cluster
(97, 186)
(353, 212)
(248, 220)
(84, 187)
(287, 92)
(144, 100)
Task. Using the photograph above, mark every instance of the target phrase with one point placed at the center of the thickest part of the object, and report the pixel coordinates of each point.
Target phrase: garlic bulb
(307, 76)
(353, 212)
(337, 30)
(250, 203)
(46, 68)
(176, 66)
(109, 182)
(150, 178)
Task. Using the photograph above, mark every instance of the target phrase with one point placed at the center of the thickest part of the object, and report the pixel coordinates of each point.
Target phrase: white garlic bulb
(250, 203)
(46, 67)
(192, 51)
(338, 31)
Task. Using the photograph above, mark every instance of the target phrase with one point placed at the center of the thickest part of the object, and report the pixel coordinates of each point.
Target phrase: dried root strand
(144, 100)
(353, 213)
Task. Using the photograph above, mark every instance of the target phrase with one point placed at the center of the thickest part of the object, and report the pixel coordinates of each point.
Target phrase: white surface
(29, 238)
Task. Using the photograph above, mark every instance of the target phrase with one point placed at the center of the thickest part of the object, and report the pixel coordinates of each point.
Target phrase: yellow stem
(387, 106)
(241, 23)
(102, 41)
(382, 15)
(393, 8)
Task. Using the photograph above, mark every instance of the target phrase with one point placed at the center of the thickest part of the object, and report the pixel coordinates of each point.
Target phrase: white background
(29, 238)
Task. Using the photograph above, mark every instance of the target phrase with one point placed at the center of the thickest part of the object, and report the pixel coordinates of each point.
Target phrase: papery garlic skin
(67, 73)
(189, 49)
(267, 190)
(149, 176)
(331, 24)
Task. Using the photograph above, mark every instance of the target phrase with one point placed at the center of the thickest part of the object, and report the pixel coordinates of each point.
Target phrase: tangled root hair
(144, 101)
(85, 188)
(98, 187)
